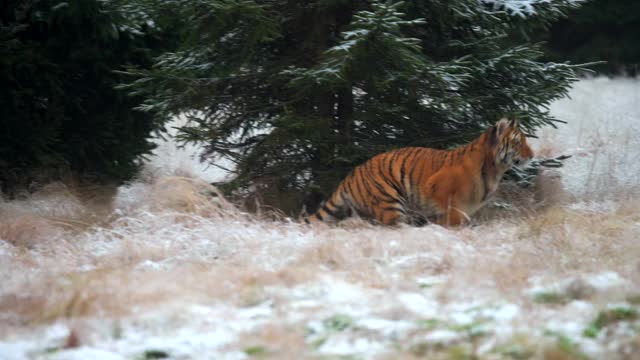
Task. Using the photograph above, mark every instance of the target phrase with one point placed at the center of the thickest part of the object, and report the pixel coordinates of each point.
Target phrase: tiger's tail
(334, 209)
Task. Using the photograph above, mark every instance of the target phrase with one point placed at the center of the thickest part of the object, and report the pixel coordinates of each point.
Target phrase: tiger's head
(511, 146)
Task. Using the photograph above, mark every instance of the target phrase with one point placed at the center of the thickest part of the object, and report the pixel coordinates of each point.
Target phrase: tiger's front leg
(444, 192)
(452, 217)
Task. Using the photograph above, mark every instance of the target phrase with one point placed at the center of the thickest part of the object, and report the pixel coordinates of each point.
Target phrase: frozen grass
(164, 267)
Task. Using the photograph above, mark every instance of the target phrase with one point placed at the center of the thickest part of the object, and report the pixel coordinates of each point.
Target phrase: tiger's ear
(497, 131)
(502, 126)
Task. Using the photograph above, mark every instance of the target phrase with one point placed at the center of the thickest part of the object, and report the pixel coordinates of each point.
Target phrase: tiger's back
(415, 184)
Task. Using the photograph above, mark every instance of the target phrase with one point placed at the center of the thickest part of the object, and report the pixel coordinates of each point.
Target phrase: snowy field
(163, 268)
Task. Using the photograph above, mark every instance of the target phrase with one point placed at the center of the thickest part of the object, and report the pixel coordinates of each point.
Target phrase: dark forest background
(605, 31)
(85, 84)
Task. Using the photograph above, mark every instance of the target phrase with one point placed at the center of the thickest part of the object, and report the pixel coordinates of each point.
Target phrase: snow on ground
(166, 268)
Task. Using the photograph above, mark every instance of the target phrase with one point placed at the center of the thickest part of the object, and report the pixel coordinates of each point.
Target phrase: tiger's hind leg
(391, 214)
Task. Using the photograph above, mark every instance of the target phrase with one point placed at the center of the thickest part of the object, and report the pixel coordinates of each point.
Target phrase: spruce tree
(296, 93)
(59, 111)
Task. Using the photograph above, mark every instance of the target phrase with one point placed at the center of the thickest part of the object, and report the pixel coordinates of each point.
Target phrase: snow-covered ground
(163, 268)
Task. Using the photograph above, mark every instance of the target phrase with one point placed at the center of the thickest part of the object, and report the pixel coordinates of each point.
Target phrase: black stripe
(402, 166)
(389, 177)
(319, 216)
(389, 172)
(366, 182)
(506, 153)
(363, 201)
(349, 188)
(412, 155)
(331, 203)
(413, 170)
(370, 193)
(383, 192)
(379, 186)
(347, 200)
(392, 184)
(329, 211)
(390, 208)
(422, 171)
(392, 174)
(390, 165)
(411, 176)
(364, 187)
(403, 175)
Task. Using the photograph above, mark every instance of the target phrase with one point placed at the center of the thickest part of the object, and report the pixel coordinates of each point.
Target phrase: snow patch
(419, 304)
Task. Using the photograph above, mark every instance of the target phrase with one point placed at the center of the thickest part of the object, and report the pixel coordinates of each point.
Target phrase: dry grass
(278, 341)
(178, 244)
(74, 254)
(145, 267)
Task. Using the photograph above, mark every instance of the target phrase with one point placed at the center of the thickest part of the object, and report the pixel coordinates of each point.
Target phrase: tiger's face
(511, 144)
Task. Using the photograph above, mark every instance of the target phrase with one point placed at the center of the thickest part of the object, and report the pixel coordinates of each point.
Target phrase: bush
(59, 112)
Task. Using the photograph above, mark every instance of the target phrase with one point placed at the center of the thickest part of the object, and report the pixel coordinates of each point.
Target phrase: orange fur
(418, 184)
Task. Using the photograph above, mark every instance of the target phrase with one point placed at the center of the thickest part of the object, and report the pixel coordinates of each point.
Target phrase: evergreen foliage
(59, 111)
(296, 93)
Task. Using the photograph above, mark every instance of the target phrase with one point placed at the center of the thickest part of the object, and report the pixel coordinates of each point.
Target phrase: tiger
(416, 185)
